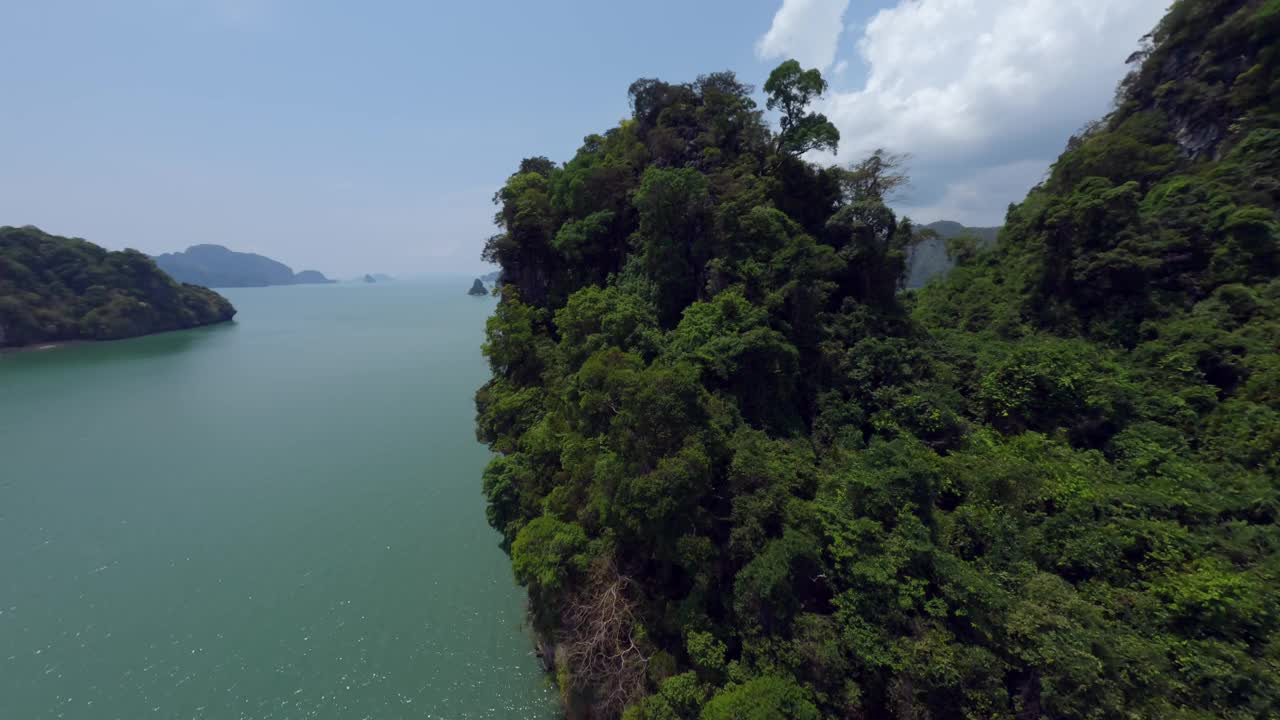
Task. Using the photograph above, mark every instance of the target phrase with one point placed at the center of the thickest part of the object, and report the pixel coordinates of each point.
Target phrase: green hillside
(929, 258)
(743, 475)
(55, 288)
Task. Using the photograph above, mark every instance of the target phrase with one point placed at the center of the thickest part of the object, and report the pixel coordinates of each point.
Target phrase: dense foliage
(55, 288)
(744, 475)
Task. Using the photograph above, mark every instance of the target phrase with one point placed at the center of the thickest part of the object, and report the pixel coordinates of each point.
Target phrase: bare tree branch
(601, 650)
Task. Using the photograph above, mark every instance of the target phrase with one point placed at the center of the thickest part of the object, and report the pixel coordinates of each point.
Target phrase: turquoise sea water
(275, 518)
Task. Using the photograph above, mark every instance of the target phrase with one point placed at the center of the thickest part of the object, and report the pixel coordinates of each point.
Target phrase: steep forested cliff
(744, 475)
(56, 288)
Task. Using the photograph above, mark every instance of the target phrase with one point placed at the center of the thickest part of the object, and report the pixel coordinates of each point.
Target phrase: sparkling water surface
(279, 517)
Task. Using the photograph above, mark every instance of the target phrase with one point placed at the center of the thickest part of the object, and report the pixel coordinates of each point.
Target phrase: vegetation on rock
(55, 288)
(743, 474)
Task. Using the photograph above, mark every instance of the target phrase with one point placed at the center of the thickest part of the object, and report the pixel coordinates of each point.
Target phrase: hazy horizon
(352, 141)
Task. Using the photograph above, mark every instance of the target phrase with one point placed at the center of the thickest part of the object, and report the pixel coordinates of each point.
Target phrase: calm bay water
(275, 518)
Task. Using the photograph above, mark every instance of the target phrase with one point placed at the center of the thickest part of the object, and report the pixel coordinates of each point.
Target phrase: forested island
(744, 474)
(55, 288)
(217, 266)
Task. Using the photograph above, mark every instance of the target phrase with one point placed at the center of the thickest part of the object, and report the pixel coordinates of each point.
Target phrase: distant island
(929, 258)
(55, 289)
(311, 277)
(484, 282)
(217, 266)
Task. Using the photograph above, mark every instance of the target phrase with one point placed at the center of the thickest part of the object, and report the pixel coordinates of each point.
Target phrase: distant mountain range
(217, 266)
(929, 258)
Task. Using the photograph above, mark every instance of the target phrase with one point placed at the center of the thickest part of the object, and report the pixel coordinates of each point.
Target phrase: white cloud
(807, 30)
(979, 198)
(977, 89)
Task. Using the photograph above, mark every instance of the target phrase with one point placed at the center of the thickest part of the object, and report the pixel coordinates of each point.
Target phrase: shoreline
(63, 344)
(46, 346)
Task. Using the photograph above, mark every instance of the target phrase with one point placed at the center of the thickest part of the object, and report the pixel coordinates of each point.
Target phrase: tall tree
(878, 177)
(791, 90)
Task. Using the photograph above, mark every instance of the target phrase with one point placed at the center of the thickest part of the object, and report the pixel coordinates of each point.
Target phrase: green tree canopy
(744, 473)
(55, 288)
(791, 91)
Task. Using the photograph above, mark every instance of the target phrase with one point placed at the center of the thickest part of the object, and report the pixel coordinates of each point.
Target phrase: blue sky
(370, 137)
